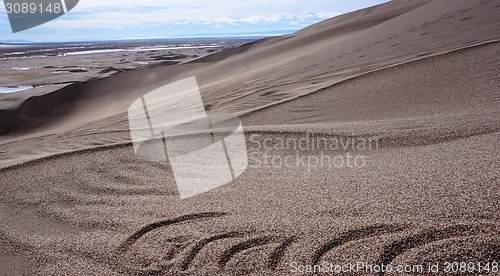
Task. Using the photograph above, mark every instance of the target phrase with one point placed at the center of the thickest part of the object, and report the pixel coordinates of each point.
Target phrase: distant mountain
(19, 41)
(256, 34)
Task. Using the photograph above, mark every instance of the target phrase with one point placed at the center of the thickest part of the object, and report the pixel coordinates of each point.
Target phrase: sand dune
(421, 77)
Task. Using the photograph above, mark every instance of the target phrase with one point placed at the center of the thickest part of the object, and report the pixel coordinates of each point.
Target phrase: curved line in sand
(354, 235)
(125, 246)
(428, 236)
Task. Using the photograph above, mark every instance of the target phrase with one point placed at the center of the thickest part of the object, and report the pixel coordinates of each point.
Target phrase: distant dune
(419, 76)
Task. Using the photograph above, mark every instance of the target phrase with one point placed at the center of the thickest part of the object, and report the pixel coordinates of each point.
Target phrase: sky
(134, 19)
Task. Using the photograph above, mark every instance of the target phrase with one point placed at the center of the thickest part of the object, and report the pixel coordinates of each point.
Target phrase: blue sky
(124, 19)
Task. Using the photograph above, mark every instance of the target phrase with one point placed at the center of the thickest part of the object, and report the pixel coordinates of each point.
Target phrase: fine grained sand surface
(419, 77)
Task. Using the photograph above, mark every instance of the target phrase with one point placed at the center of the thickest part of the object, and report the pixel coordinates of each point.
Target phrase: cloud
(280, 18)
(100, 18)
(122, 14)
(124, 18)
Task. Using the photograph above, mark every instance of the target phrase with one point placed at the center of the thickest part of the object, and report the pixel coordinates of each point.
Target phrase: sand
(50, 67)
(418, 77)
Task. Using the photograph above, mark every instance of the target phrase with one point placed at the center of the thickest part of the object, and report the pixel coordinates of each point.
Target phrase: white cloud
(124, 18)
(121, 14)
(121, 19)
(225, 20)
(306, 17)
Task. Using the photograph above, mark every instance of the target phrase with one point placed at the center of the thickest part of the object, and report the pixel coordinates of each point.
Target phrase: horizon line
(235, 36)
